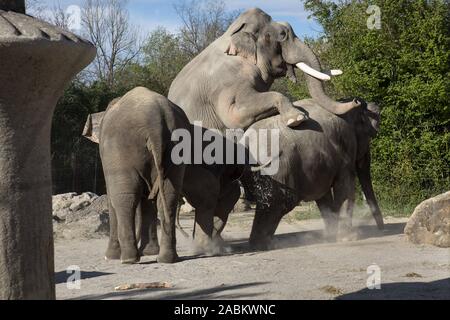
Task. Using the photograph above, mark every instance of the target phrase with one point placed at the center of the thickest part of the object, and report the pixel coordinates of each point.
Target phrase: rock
(62, 201)
(82, 216)
(92, 226)
(430, 222)
(97, 206)
(64, 204)
(82, 201)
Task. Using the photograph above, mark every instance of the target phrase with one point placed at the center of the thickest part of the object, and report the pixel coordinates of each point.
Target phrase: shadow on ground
(303, 238)
(218, 292)
(435, 290)
(63, 276)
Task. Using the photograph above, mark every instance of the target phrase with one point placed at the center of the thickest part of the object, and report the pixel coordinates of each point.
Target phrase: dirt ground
(301, 267)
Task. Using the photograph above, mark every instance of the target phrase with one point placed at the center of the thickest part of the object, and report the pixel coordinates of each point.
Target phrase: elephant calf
(318, 161)
(135, 146)
(135, 137)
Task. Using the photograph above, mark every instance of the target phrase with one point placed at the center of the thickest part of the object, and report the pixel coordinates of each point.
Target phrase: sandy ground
(301, 267)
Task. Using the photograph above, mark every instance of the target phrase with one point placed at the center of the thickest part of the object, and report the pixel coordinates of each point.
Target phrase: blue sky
(148, 14)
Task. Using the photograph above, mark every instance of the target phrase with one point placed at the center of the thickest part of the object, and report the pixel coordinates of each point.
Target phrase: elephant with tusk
(227, 85)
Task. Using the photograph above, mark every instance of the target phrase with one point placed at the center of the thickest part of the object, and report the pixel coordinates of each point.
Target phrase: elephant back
(321, 144)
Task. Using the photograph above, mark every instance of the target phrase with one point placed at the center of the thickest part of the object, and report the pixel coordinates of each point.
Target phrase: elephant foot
(150, 250)
(112, 253)
(129, 256)
(294, 118)
(170, 256)
(348, 235)
(259, 245)
(218, 240)
(330, 236)
(210, 247)
(329, 239)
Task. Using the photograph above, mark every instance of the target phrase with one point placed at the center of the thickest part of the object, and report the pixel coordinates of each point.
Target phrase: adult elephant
(227, 85)
(317, 162)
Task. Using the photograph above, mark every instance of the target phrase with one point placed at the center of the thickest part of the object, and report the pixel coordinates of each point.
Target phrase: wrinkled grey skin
(318, 162)
(227, 85)
(135, 148)
(137, 166)
(212, 190)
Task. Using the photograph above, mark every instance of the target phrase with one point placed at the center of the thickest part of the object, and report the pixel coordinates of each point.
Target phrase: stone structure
(37, 61)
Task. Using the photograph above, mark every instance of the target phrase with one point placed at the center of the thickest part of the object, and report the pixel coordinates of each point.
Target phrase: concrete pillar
(37, 61)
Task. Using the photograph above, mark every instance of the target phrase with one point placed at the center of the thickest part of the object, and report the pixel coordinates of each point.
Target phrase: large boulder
(430, 222)
(65, 204)
(82, 216)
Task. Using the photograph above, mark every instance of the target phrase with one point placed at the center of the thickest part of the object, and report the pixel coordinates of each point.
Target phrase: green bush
(405, 67)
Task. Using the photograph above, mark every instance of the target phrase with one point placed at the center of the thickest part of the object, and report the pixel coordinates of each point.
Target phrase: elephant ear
(243, 43)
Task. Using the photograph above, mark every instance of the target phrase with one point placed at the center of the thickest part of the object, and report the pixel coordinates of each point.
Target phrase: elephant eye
(282, 36)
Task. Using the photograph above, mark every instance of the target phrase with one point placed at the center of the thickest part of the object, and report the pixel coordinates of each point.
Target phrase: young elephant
(318, 162)
(135, 149)
(135, 136)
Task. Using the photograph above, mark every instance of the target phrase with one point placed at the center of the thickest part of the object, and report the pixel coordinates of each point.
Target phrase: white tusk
(336, 72)
(313, 72)
(333, 73)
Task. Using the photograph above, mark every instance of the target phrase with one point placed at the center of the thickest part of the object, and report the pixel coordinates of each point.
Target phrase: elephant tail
(158, 186)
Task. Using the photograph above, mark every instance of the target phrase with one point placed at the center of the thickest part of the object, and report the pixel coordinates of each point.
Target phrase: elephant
(227, 84)
(317, 162)
(139, 172)
(137, 153)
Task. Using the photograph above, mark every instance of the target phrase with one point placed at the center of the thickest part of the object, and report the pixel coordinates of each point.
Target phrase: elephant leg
(204, 227)
(168, 198)
(251, 105)
(113, 250)
(275, 223)
(202, 189)
(149, 237)
(264, 226)
(271, 205)
(226, 203)
(329, 215)
(344, 199)
(125, 206)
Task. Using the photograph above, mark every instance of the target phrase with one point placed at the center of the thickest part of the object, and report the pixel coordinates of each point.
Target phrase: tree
(60, 17)
(35, 8)
(203, 22)
(162, 59)
(405, 66)
(107, 25)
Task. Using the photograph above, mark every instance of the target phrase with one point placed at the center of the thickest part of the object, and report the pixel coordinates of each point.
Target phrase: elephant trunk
(365, 179)
(302, 53)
